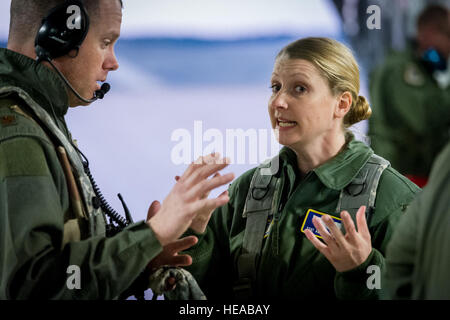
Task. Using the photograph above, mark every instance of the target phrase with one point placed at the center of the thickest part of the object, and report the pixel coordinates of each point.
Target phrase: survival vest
(262, 202)
(80, 189)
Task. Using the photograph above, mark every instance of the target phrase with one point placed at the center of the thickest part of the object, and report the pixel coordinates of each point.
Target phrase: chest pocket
(75, 218)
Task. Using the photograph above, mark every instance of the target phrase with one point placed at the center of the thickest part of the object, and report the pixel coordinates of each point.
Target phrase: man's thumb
(154, 208)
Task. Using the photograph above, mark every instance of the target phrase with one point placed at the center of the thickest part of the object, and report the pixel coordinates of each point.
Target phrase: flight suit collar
(339, 171)
(41, 83)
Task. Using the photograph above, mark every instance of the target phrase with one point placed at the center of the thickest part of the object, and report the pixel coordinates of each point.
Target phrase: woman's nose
(279, 101)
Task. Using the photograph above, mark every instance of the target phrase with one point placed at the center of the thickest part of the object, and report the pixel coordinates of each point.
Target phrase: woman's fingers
(334, 231)
(344, 252)
(319, 245)
(361, 222)
(326, 236)
(348, 224)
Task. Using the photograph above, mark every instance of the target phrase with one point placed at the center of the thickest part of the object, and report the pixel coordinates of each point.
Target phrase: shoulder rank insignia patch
(413, 76)
(308, 224)
(8, 120)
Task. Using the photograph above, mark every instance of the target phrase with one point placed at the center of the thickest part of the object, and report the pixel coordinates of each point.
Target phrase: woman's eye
(300, 89)
(106, 43)
(275, 87)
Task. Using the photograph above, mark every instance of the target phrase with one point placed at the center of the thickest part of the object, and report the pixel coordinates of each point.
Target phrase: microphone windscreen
(105, 87)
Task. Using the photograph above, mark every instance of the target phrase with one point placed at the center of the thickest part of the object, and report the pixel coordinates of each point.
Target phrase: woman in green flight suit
(315, 84)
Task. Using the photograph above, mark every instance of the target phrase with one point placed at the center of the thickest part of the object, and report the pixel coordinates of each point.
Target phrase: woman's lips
(284, 124)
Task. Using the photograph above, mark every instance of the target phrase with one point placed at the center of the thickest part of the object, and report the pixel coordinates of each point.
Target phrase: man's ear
(344, 104)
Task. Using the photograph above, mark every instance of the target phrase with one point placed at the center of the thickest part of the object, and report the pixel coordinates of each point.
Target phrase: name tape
(308, 224)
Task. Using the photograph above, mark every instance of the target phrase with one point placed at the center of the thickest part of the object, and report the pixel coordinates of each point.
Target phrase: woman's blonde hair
(336, 64)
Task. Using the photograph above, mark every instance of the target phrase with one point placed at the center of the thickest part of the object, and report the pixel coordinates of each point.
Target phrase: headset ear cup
(62, 30)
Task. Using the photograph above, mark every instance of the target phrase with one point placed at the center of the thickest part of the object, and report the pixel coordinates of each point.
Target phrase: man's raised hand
(187, 198)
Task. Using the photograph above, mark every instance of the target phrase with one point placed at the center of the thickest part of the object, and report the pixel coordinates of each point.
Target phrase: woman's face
(302, 106)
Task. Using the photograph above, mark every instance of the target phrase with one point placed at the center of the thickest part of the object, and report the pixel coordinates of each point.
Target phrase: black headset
(59, 34)
(62, 31)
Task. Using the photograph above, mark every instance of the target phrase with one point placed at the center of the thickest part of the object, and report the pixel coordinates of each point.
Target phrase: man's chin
(76, 102)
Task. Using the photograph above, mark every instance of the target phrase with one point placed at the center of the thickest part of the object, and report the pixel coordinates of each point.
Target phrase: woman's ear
(344, 104)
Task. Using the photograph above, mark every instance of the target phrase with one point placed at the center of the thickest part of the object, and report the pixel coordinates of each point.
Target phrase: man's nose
(111, 63)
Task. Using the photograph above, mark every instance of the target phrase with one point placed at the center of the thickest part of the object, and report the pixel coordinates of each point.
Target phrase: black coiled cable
(116, 222)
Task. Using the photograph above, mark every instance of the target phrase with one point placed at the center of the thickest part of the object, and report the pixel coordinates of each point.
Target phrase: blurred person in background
(410, 95)
(418, 255)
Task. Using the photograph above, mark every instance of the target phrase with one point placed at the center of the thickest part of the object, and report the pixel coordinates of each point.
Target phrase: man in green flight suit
(410, 94)
(47, 201)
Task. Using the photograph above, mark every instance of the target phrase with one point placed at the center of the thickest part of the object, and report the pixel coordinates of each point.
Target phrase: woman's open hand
(344, 252)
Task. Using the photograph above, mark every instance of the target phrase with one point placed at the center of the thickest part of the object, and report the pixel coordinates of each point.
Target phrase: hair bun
(360, 111)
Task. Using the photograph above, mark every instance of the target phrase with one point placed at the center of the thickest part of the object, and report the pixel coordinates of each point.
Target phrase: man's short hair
(437, 17)
(26, 15)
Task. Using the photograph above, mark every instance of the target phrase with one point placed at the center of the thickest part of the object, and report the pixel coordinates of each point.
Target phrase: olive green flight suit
(39, 247)
(290, 267)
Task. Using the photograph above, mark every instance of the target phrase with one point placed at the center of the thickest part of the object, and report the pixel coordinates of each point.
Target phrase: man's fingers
(189, 170)
(154, 208)
(206, 186)
(361, 222)
(200, 162)
(209, 204)
(182, 260)
(213, 158)
(202, 172)
(225, 193)
(206, 194)
(182, 244)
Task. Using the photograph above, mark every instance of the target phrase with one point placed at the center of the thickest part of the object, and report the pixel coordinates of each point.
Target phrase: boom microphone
(99, 94)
